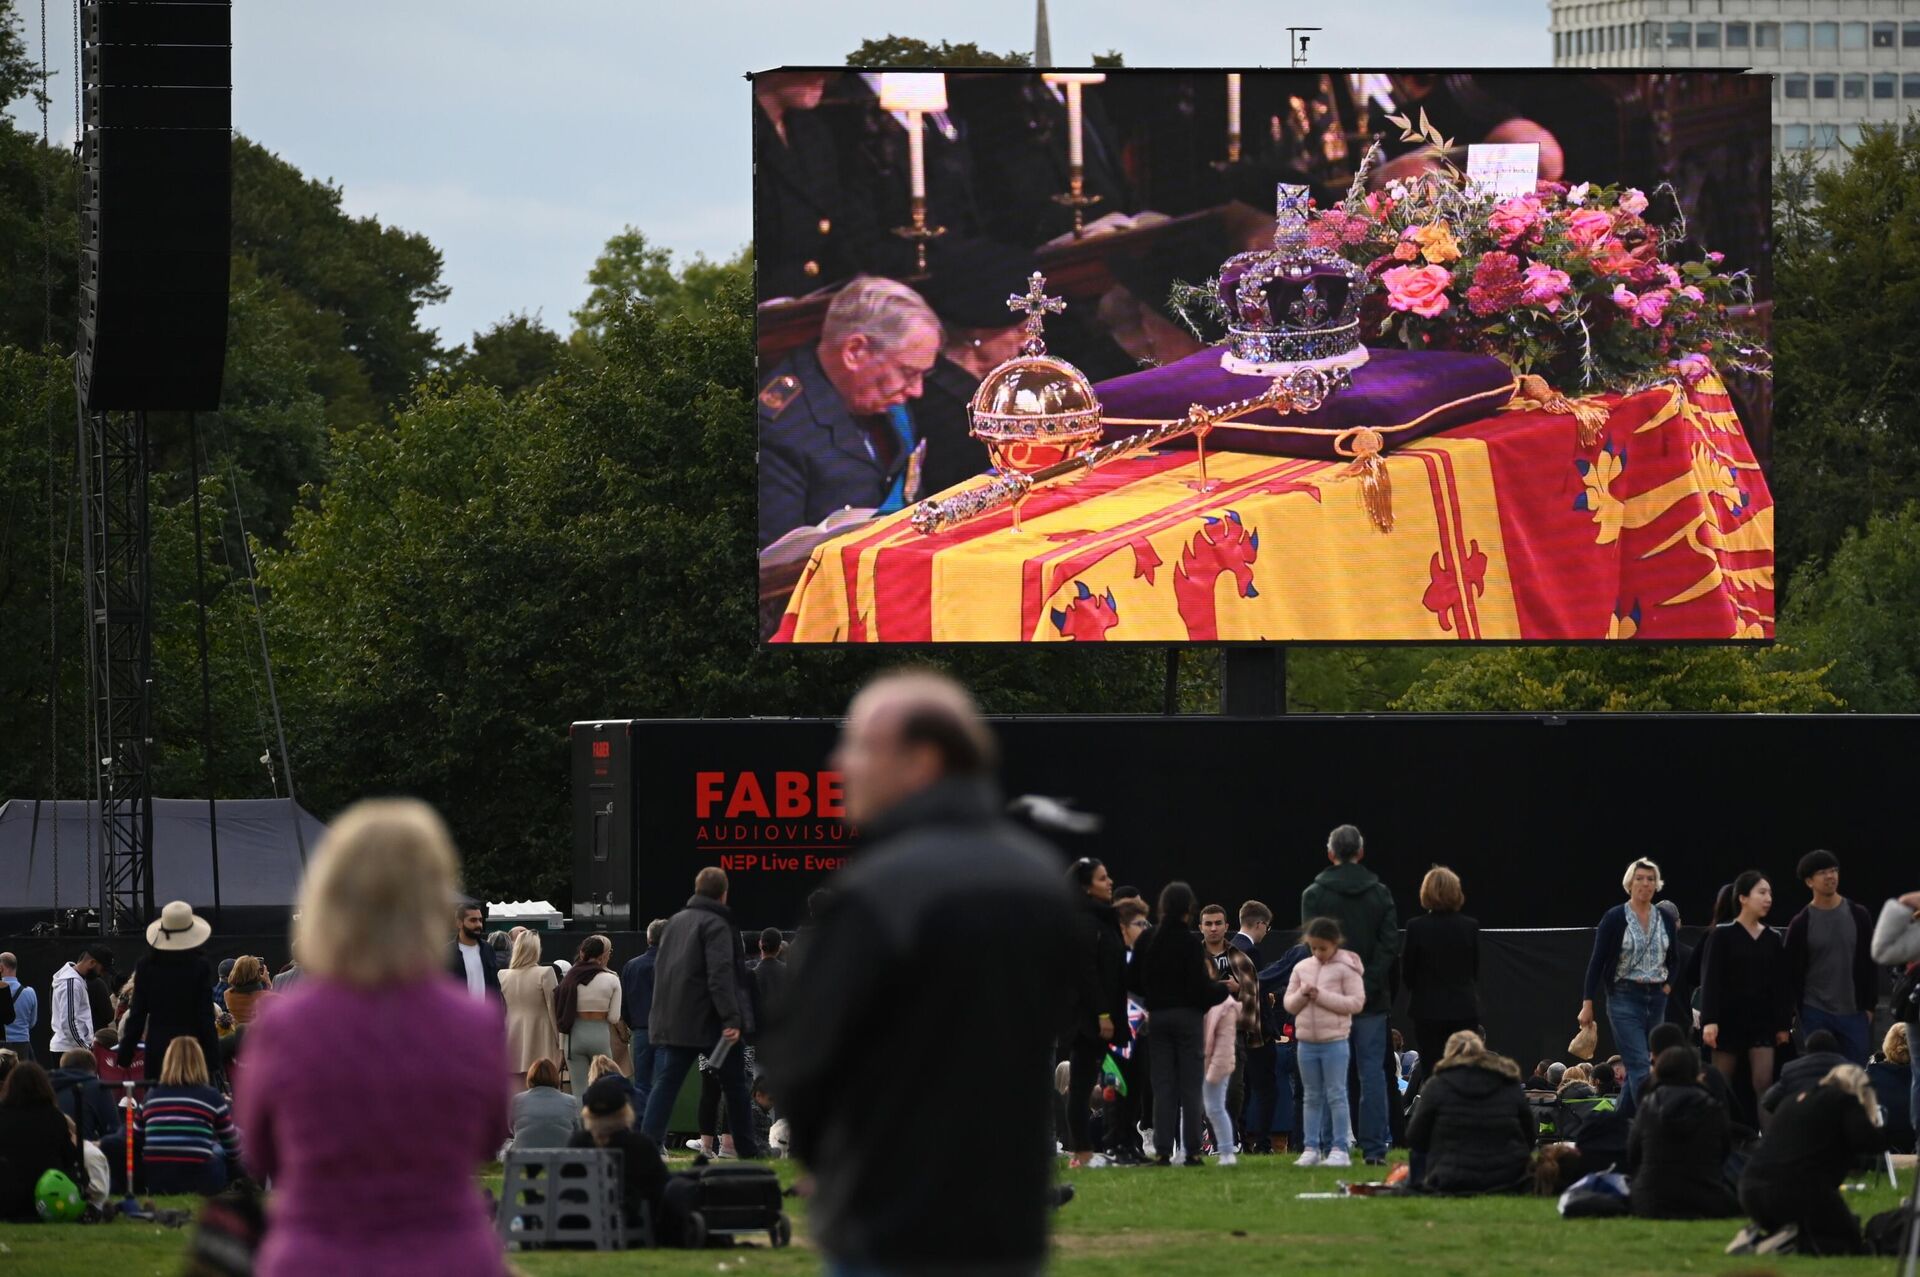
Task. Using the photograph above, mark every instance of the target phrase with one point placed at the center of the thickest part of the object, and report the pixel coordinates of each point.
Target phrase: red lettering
(831, 798)
(603, 749)
(748, 797)
(706, 793)
(790, 794)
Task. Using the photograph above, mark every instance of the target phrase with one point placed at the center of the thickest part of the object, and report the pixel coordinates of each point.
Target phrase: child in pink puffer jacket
(1325, 993)
(1226, 1022)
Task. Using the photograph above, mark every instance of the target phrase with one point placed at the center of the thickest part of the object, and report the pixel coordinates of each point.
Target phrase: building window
(1795, 37)
(1826, 87)
(1826, 136)
(1853, 35)
(1737, 35)
(1910, 86)
(1766, 35)
(1854, 87)
(1826, 37)
(1910, 35)
(1883, 35)
(1679, 35)
(1797, 135)
(1883, 83)
(1706, 35)
(1653, 35)
(1850, 135)
(1795, 87)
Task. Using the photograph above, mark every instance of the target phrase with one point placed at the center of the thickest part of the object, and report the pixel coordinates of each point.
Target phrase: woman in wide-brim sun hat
(172, 991)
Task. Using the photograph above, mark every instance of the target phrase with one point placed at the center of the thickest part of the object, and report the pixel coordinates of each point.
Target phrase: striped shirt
(188, 1126)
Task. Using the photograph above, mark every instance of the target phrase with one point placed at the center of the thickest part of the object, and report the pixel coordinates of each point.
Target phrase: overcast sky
(519, 137)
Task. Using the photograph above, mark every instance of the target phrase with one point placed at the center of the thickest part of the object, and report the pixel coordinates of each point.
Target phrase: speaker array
(156, 190)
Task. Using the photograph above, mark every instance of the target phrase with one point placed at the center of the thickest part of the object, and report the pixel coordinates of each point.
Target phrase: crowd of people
(1167, 1035)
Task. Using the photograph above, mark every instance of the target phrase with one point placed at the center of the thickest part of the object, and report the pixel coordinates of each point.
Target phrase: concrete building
(1836, 64)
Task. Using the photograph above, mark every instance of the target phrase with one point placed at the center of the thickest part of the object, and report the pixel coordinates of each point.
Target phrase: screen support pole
(1253, 681)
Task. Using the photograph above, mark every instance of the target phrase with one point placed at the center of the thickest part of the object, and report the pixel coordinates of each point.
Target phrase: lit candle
(1233, 105)
(917, 153)
(1073, 123)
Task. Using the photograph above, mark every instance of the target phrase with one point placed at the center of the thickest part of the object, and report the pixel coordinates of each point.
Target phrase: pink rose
(1692, 366)
(1511, 220)
(1624, 298)
(1420, 290)
(1588, 227)
(1669, 274)
(1652, 307)
(1634, 201)
(1716, 258)
(1544, 286)
(1693, 294)
(1378, 203)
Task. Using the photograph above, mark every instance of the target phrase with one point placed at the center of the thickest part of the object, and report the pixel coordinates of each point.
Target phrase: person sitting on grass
(1891, 1074)
(1678, 1145)
(1472, 1129)
(544, 1116)
(607, 1122)
(35, 1137)
(1790, 1188)
(186, 1126)
(1821, 1055)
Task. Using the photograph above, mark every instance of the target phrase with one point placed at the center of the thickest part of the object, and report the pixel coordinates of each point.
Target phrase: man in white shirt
(72, 1020)
(472, 959)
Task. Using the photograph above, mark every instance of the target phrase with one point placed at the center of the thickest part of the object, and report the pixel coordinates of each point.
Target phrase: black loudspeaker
(156, 194)
(603, 824)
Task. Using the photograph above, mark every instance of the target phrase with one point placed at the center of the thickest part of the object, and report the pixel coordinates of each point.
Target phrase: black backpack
(6, 1004)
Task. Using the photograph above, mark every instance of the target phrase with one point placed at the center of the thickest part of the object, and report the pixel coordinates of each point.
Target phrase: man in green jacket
(1356, 898)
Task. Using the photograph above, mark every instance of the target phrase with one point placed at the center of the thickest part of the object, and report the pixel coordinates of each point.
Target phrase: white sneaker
(1338, 1158)
(1309, 1158)
(1227, 1158)
(699, 1147)
(1099, 1160)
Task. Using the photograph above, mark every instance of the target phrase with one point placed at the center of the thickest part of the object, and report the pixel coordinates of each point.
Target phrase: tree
(630, 271)
(904, 51)
(1860, 613)
(1847, 266)
(1720, 680)
(515, 355)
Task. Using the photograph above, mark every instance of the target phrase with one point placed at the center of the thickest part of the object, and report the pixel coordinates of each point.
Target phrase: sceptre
(1301, 391)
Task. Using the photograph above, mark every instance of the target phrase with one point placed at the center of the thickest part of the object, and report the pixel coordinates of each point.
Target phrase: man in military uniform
(834, 430)
(805, 231)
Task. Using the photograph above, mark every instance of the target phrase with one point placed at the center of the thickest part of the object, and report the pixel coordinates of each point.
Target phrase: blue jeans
(1632, 1011)
(642, 1070)
(1323, 1071)
(670, 1067)
(1850, 1029)
(1369, 1042)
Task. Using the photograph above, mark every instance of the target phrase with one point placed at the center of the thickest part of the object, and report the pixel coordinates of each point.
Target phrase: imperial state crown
(1293, 306)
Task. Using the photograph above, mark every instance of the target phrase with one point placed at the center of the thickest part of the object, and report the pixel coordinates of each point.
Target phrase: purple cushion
(1405, 394)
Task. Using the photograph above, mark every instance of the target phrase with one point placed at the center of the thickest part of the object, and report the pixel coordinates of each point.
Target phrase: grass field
(1141, 1220)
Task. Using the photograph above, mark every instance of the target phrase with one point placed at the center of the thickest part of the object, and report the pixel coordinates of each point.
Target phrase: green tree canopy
(631, 271)
(905, 51)
(1554, 680)
(1860, 612)
(516, 354)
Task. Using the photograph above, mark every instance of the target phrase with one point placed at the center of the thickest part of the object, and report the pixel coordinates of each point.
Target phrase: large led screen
(1262, 356)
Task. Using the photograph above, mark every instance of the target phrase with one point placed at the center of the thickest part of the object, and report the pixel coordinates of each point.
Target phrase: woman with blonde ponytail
(1791, 1186)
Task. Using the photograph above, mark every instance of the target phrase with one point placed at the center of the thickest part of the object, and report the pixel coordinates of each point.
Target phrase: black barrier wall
(1539, 816)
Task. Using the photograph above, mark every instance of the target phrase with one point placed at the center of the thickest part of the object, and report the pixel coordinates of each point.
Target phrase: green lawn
(1209, 1220)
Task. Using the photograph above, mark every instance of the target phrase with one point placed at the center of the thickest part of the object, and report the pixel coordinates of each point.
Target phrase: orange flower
(1436, 243)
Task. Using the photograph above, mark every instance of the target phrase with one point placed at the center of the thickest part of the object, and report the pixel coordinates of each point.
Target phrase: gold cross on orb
(1036, 304)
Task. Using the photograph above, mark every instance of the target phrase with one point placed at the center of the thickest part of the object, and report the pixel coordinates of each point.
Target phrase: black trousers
(1179, 1068)
(1083, 1072)
(1827, 1227)
(1430, 1039)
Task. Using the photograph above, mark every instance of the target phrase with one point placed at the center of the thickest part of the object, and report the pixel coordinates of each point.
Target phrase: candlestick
(1076, 198)
(1233, 109)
